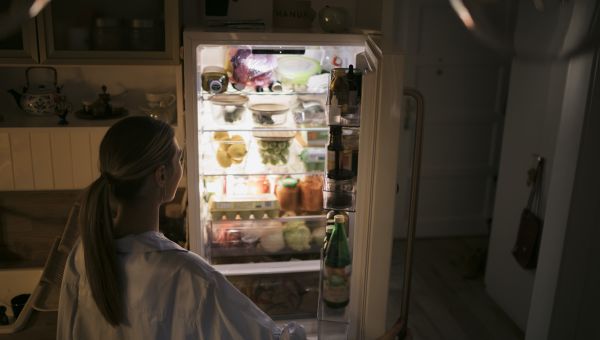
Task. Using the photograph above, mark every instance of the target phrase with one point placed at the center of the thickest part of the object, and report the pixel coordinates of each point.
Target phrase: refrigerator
(257, 122)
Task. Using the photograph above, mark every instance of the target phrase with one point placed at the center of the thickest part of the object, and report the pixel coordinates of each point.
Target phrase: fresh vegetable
(272, 240)
(297, 235)
(274, 152)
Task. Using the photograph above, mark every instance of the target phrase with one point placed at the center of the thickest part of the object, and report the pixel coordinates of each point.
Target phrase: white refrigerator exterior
(380, 129)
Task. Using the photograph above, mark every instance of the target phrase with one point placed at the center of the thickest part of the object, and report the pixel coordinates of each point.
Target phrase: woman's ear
(160, 175)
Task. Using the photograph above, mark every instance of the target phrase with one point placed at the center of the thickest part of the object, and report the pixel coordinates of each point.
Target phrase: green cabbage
(297, 235)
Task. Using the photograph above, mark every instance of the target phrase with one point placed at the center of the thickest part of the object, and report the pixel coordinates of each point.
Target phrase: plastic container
(338, 194)
(228, 109)
(229, 150)
(269, 114)
(247, 206)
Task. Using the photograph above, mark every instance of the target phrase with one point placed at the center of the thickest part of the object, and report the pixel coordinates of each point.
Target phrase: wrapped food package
(246, 69)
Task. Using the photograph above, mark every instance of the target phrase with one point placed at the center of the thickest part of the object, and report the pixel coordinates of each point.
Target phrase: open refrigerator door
(258, 139)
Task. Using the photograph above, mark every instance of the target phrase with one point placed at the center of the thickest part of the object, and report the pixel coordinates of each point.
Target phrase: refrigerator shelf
(276, 172)
(268, 268)
(321, 218)
(206, 95)
(245, 251)
(234, 128)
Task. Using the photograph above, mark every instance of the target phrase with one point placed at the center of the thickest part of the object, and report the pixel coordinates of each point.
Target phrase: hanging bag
(529, 235)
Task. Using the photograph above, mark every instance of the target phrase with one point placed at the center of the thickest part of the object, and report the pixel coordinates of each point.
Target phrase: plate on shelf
(116, 113)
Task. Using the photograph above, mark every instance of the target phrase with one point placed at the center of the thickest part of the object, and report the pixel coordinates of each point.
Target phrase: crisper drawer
(265, 240)
(282, 296)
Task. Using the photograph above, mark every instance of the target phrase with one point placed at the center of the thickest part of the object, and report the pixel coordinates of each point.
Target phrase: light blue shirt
(169, 293)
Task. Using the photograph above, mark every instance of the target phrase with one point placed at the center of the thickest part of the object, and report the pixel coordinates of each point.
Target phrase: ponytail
(130, 151)
(96, 222)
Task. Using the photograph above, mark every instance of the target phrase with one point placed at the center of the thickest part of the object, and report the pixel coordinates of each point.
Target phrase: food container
(311, 193)
(313, 159)
(295, 70)
(338, 194)
(246, 206)
(309, 114)
(214, 79)
(228, 108)
(274, 146)
(269, 114)
(229, 150)
(287, 194)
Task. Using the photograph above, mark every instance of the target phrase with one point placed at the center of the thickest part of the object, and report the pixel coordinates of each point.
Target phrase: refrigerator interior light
(279, 50)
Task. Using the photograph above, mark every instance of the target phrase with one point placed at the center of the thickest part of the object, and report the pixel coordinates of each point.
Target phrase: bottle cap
(339, 219)
(289, 182)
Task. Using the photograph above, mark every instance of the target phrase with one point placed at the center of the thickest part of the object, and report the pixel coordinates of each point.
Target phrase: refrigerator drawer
(266, 240)
(282, 296)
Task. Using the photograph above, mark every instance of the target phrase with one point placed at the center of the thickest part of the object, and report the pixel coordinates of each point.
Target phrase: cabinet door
(18, 44)
(110, 31)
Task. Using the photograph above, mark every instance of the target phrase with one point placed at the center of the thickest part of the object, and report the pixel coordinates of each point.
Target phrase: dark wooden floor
(448, 298)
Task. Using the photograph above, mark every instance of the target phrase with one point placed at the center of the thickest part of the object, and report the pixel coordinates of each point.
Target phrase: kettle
(39, 99)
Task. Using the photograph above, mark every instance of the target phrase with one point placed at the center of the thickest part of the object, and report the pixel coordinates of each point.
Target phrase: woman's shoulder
(190, 263)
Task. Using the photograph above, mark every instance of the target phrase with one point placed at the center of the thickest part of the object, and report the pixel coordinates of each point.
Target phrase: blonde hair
(131, 150)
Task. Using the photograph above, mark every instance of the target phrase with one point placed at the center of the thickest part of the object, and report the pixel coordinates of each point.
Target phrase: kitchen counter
(40, 326)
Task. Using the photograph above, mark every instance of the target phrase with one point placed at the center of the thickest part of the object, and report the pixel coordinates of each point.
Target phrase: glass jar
(142, 35)
(287, 194)
(107, 35)
(311, 193)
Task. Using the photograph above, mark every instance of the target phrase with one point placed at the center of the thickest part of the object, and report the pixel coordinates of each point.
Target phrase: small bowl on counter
(269, 114)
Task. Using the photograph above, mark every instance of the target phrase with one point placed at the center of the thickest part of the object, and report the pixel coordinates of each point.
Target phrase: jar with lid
(106, 34)
(287, 194)
(311, 193)
(143, 35)
(350, 149)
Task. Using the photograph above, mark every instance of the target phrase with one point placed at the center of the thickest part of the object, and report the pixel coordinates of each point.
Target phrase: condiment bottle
(335, 149)
(337, 101)
(336, 281)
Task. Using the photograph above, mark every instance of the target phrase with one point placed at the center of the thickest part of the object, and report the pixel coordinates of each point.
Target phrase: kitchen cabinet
(97, 32)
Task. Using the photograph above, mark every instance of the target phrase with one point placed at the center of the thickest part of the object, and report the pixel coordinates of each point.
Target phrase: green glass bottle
(336, 280)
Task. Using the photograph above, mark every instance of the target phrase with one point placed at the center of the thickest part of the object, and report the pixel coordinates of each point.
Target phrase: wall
(545, 110)
(464, 86)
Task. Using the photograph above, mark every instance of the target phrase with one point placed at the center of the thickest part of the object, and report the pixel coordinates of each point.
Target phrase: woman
(124, 279)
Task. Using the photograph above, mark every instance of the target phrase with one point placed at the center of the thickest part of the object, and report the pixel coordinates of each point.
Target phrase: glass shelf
(244, 128)
(206, 95)
(255, 157)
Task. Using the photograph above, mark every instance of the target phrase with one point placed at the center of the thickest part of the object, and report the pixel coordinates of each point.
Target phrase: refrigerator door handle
(400, 327)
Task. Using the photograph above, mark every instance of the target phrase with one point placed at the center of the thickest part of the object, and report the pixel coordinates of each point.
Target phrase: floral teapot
(41, 98)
